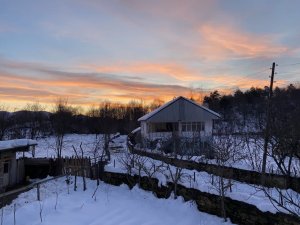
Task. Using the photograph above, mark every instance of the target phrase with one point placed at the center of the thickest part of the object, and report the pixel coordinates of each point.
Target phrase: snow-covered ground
(250, 194)
(46, 146)
(110, 205)
(247, 154)
(203, 181)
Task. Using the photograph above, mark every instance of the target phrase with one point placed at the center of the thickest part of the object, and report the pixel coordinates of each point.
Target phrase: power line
(255, 75)
(291, 64)
(244, 78)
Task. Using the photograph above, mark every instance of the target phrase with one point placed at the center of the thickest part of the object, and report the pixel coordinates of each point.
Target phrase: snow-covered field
(110, 205)
(249, 157)
(203, 181)
(46, 146)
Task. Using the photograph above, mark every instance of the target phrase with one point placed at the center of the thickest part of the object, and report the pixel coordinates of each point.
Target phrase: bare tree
(183, 148)
(226, 148)
(283, 200)
(60, 120)
(102, 122)
(5, 121)
(34, 120)
(127, 160)
(253, 145)
(82, 166)
(284, 151)
(176, 175)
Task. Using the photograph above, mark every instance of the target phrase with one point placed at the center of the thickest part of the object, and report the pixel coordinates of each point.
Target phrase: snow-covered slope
(111, 205)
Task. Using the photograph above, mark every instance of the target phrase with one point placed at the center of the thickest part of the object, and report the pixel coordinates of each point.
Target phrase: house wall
(149, 134)
(5, 177)
(143, 128)
(13, 170)
(15, 173)
(208, 127)
(178, 112)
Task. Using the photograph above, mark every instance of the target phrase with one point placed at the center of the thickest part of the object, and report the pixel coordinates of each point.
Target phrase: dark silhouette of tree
(61, 120)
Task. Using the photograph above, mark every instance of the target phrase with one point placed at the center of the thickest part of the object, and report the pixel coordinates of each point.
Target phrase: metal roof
(149, 115)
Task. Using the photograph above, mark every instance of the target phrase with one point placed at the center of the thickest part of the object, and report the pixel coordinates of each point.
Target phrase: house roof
(149, 115)
(16, 144)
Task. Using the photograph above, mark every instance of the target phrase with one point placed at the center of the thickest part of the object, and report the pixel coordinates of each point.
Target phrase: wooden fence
(245, 176)
(42, 167)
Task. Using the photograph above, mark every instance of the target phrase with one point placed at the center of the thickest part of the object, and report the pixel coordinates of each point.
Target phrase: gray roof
(149, 115)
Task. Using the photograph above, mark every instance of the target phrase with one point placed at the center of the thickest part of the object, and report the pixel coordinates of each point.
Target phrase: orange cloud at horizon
(225, 42)
(90, 89)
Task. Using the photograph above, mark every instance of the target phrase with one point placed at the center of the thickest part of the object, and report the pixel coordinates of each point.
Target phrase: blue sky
(91, 51)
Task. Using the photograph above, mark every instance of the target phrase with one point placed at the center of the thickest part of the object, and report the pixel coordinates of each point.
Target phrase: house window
(5, 169)
(193, 126)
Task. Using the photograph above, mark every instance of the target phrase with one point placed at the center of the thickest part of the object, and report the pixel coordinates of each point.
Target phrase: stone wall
(238, 212)
(246, 176)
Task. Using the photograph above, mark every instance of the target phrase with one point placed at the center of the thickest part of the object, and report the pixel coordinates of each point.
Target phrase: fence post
(15, 214)
(38, 192)
(75, 181)
(2, 209)
(97, 172)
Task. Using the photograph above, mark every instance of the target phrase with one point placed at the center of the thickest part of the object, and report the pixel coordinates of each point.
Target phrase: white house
(180, 117)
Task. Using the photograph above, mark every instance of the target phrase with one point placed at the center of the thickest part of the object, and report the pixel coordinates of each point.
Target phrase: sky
(91, 51)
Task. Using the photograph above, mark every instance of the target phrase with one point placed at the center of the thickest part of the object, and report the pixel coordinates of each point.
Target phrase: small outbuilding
(11, 170)
(180, 117)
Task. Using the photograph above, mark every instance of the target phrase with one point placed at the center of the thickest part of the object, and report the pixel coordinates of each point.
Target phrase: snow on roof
(147, 116)
(136, 130)
(17, 143)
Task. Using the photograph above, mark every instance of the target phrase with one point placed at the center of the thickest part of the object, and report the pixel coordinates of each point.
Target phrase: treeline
(33, 121)
(250, 106)
(242, 107)
(245, 113)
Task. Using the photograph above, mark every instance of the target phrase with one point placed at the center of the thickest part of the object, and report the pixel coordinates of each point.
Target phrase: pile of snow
(110, 205)
(16, 143)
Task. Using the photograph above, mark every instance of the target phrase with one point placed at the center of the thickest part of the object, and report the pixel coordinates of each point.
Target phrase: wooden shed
(11, 169)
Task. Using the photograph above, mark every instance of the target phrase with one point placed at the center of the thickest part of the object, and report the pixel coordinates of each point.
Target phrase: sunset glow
(92, 51)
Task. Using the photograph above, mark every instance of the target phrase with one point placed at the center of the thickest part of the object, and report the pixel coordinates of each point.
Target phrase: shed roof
(16, 144)
(149, 115)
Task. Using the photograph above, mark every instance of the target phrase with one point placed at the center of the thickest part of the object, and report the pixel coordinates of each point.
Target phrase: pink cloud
(223, 42)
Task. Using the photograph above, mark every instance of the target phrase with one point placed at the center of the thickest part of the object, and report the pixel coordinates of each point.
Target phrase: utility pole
(267, 130)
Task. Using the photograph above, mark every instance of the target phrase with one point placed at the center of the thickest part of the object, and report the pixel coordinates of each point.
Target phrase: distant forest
(250, 107)
(240, 107)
